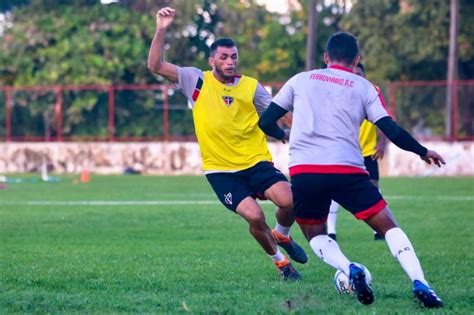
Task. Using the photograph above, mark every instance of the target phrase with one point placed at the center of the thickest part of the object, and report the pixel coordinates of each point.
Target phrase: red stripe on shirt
(379, 206)
(341, 68)
(326, 169)
(196, 94)
(382, 100)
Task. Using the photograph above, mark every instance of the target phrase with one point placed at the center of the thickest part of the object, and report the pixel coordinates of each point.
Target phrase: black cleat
(379, 237)
(287, 271)
(295, 251)
(332, 235)
(425, 295)
(359, 285)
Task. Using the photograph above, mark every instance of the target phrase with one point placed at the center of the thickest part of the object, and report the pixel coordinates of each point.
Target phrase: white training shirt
(328, 108)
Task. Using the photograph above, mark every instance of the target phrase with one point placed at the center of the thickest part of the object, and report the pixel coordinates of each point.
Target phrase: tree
(61, 42)
(412, 44)
(412, 41)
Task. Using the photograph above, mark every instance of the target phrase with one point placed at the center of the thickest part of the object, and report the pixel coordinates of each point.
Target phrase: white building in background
(280, 6)
(5, 22)
(283, 6)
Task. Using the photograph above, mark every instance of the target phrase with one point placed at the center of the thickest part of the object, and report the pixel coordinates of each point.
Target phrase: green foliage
(87, 43)
(74, 45)
(59, 42)
(94, 44)
(421, 110)
(410, 41)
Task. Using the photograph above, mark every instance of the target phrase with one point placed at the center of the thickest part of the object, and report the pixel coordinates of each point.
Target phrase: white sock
(282, 229)
(328, 250)
(278, 257)
(332, 217)
(403, 251)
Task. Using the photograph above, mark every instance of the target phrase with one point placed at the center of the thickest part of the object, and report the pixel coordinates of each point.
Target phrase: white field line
(195, 202)
(110, 202)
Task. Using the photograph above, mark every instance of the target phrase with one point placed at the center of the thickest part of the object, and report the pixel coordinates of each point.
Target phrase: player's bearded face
(225, 62)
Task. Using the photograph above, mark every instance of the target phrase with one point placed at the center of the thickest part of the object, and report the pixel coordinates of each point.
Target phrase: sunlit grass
(200, 258)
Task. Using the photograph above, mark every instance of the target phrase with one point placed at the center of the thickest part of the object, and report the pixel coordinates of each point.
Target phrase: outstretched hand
(164, 17)
(433, 156)
(380, 152)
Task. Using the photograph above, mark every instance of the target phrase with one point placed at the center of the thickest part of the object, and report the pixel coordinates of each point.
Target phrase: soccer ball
(341, 281)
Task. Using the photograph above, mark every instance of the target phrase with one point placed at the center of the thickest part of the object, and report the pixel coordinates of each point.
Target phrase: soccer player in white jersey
(326, 162)
(372, 144)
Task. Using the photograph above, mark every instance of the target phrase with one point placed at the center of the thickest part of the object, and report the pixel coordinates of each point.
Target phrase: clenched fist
(164, 17)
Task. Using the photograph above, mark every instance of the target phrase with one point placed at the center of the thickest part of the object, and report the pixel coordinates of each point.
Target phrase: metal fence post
(392, 98)
(454, 115)
(166, 133)
(111, 113)
(58, 108)
(8, 118)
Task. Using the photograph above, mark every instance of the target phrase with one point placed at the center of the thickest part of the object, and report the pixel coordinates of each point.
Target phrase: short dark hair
(361, 67)
(343, 47)
(221, 42)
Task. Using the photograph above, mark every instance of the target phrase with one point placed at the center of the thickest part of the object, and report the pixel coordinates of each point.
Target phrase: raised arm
(156, 64)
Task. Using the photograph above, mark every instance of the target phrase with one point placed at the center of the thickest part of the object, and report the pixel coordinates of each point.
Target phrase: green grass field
(142, 244)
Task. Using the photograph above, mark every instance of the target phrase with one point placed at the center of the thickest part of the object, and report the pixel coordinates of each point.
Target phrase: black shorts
(372, 166)
(232, 188)
(313, 192)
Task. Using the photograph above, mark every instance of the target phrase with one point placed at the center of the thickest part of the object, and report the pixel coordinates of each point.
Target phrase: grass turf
(123, 255)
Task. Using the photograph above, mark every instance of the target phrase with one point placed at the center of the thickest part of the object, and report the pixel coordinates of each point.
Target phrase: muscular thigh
(264, 176)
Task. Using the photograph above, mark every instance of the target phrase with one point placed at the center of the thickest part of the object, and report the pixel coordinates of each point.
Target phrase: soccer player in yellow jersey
(234, 151)
(372, 151)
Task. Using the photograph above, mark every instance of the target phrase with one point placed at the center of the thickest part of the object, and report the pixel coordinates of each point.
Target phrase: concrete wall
(459, 157)
(184, 158)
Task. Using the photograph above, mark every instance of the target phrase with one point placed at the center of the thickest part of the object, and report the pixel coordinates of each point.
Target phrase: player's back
(329, 106)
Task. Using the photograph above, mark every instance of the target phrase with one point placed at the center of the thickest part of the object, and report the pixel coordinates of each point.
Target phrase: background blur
(76, 70)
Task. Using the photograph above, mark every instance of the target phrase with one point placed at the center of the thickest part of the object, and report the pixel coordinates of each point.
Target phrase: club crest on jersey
(228, 100)
(228, 198)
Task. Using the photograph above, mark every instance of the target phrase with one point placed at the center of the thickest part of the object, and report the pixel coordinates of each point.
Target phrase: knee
(312, 230)
(382, 221)
(256, 220)
(286, 207)
(280, 194)
(383, 229)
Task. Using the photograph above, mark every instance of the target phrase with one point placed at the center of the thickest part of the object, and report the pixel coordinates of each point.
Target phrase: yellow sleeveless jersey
(225, 120)
(368, 138)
